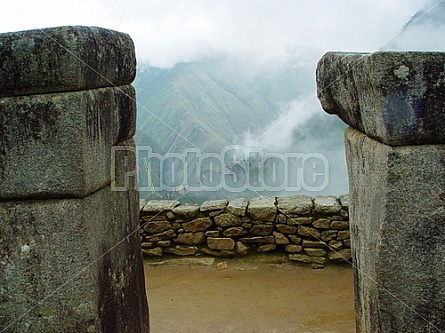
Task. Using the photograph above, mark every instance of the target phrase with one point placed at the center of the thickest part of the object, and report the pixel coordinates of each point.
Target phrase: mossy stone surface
(67, 58)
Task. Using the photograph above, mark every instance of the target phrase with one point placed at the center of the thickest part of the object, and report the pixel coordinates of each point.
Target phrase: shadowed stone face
(58, 252)
(395, 97)
(399, 246)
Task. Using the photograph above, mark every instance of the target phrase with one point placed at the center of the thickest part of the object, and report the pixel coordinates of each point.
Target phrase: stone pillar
(70, 258)
(395, 145)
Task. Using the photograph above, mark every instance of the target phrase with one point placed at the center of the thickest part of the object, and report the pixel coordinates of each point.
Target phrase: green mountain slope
(209, 105)
(186, 107)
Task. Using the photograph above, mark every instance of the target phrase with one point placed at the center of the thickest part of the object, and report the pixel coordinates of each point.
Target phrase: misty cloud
(303, 127)
(28, 14)
(262, 35)
(278, 136)
(171, 31)
(260, 31)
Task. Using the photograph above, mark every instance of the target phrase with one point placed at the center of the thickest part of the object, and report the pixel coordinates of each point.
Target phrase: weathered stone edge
(67, 58)
(394, 97)
(68, 148)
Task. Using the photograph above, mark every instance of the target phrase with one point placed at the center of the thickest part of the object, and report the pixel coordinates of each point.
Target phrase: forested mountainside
(208, 105)
(211, 104)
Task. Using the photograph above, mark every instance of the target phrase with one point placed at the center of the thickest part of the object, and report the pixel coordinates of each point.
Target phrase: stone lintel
(67, 58)
(395, 97)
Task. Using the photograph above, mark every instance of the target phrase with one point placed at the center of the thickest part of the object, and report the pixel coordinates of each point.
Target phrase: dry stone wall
(65, 101)
(314, 231)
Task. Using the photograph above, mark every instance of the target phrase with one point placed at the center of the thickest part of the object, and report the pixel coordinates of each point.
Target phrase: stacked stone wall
(314, 231)
(65, 102)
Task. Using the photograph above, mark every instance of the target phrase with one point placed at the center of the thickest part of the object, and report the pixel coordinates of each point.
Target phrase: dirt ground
(257, 295)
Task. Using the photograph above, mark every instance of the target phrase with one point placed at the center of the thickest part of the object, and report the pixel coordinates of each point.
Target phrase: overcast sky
(169, 31)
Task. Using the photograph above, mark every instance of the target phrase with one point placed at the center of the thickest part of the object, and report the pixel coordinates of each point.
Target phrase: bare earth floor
(257, 295)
